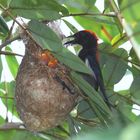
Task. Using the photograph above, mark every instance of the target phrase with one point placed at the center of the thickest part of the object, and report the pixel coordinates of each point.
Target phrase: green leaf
(2, 120)
(115, 67)
(12, 63)
(85, 111)
(47, 39)
(8, 87)
(135, 89)
(22, 135)
(112, 133)
(36, 9)
(7, 91)
(95, 100)
(72, 28)
(59, 131)
(79, 6)
(4, 2)
(130, 13)
(118, 40)
(3, 26)
(93, 22)
(90, 92)
(90, 2)
(73, 126)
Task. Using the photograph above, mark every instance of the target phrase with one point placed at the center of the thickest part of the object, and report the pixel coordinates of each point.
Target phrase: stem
(24, 28)
(6, 10)
(90, 14)
(11, 126)
(9, 53)
(9, 41)
(126, 27)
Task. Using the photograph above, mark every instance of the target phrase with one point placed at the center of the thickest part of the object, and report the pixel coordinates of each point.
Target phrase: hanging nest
(45, 94)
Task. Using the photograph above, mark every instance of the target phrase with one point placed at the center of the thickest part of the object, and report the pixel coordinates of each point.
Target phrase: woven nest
(44, 95)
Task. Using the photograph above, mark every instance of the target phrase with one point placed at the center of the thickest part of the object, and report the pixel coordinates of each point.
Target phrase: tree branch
(11, 126)
(9, 53)
(91, 14)
(9, 41)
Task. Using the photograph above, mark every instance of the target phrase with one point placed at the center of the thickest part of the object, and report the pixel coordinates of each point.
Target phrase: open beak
(70, 40)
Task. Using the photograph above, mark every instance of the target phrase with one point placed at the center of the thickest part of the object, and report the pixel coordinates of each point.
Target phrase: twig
(23, 27)
(9, 53)
(9, 41)
(91, 14)
(11, 126)
(6, 10)
(108, 35)
(10, 31)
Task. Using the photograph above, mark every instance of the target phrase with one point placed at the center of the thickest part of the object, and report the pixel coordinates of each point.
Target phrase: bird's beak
(70, 40)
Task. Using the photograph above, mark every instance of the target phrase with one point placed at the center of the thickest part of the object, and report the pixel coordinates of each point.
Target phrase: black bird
(89, 54)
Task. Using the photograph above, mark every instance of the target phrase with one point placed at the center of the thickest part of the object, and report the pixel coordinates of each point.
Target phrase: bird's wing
(94, 65)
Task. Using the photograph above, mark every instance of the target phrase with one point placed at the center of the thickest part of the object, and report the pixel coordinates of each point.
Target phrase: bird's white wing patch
(88, 65)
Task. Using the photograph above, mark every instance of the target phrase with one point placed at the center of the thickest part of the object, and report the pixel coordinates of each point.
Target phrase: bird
(89, 54)
(44, 94)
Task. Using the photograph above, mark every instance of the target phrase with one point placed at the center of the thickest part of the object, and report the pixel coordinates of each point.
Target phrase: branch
(11, 126)
(10, 15)
(9, 41)
(126, 27)
(90, 14)
(9, 53)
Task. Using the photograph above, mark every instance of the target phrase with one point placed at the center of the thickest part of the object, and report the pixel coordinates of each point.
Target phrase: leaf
(12, 63)
(3, 26)
(85, 111)
(72, 28)
(47, 39)
(94, 22)
(60, 131)
(95, 100)
(115, 67)
(79, 6)
(90, 92)
(118, 40)
(135, 89)
(36, 9)
(73, 126)
(22, 135)
(4, 2)
(112, 133)
(1, 120)
(130, 12)
(7, 91)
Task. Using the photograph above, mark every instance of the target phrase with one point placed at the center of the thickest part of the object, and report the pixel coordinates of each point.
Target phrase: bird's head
(86, 38)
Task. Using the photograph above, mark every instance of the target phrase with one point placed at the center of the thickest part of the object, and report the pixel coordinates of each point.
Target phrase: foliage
(116, 25)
